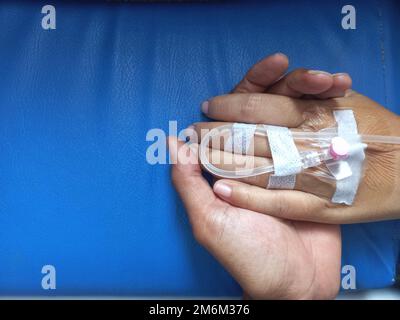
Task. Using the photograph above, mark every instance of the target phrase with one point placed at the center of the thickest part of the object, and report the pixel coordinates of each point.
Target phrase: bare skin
(271, 258)
(377, 196)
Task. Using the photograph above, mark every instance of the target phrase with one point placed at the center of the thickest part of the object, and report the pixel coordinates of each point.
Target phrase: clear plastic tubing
(328, 135)
(297, 135)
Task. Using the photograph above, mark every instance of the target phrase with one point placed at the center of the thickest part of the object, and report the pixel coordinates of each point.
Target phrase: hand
(268, 75)
(377, 196)
(269, 257)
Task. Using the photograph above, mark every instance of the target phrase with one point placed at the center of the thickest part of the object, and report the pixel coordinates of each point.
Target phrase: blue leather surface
(76, 103)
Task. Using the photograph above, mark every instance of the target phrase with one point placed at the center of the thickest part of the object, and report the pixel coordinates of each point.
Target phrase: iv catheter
(331, 147)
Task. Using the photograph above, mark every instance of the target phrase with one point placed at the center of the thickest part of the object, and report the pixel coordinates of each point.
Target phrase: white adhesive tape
(240, 140)
(346, 189)
(287, 161)
(282, 182)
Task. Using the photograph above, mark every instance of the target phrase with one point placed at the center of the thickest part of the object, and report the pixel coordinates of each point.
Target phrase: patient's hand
(271, 258)
(377, 196)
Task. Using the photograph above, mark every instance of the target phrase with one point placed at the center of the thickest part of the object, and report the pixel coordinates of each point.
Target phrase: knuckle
(211, 227)
(249, 106)
(246, 198)
(217, 223)
(215, 103)
(297, 72)
(281, 205)
(294, 77)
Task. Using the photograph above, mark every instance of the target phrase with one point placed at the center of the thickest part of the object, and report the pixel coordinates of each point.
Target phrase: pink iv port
(339, 148)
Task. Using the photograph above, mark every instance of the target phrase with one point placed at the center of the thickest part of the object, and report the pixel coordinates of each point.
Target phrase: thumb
(194, 190)
(286, 204)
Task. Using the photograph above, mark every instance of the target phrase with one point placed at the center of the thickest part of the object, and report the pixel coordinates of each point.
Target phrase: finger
(305, 181)
(286, 204)
(263, 74)
(234, 162)
(257, 108)
(259, 146)
(341, 83)
(194, 190)
(302, 81)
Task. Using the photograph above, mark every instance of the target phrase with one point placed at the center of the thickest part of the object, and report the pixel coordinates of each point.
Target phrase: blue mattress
(76, 103)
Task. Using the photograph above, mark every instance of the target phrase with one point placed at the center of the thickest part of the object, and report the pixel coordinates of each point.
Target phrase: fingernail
(279, 54)
(340, 74)
(204, 107)
(319, 72)
(222, 189)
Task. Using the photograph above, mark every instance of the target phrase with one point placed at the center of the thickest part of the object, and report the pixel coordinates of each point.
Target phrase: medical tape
(240, 139)
(346, 189)
(286, 158)
(281, 182)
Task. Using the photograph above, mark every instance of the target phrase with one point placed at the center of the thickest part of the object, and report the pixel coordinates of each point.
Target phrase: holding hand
(269, 257)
